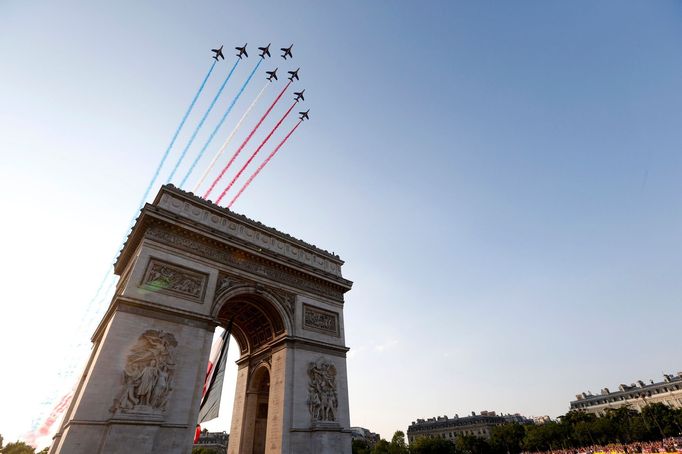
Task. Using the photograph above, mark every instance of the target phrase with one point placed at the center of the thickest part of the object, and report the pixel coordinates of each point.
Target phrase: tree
(361, 447)
(426, 445)
(18, 447)
(381, 447)
(507, 438)
(397, 445)
(203, 450)
(469, 444)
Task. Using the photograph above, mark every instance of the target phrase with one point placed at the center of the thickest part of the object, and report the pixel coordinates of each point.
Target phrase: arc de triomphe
(188, 266)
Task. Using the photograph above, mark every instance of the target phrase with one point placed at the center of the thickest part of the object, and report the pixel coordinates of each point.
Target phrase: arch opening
(255, 321)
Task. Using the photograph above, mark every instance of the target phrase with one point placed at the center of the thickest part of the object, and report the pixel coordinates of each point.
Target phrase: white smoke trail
(229, 138)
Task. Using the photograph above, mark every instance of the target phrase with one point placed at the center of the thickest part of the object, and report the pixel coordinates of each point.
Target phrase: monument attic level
(188, 266)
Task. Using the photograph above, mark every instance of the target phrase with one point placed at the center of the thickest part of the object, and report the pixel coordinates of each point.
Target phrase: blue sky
(502, 179)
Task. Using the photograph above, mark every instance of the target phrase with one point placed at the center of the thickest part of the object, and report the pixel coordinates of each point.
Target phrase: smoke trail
(201, 122)
(172, 142)
(229, 138)
(42, 422)
(255, 174)
(248, 161)
(241, 147)
(220, 123)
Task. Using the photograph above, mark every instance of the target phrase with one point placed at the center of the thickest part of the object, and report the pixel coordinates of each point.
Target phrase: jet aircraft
(287, 51)
(294, 74)
(264, 51)
(271, 74)
(304, 115)
(242, 51)
(218, 53)
(299, 95)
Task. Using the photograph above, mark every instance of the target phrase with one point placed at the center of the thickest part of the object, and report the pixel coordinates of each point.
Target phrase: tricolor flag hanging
(215, 374)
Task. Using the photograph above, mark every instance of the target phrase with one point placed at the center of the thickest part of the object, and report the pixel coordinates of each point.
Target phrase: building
(213, 440)
(360, 433)
(637, 395)
(449, 428)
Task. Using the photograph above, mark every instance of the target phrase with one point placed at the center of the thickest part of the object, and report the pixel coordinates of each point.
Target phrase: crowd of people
(667, 445)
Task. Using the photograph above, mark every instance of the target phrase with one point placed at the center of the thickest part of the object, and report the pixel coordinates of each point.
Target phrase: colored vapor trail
(220, 152)
(201, 122)
(248, 161)
(241, 147)
(40, 424)
(220, 123)
(260, 167)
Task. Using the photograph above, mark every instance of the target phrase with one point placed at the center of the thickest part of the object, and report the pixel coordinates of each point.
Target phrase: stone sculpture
(148, 374)
(322, 394)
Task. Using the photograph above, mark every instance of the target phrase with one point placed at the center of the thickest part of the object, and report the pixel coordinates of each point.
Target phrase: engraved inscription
(320, 320)
(167, 278)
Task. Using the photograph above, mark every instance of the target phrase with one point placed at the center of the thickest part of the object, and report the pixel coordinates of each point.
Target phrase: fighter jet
(218, 53)
(242, 51)
(287, 51)
(264, 51)
(271, 74)
(304, 115)
(299, 95)
(294, 74)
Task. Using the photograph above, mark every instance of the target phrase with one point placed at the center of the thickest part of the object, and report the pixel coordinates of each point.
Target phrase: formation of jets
(271, 74)
(287, 51)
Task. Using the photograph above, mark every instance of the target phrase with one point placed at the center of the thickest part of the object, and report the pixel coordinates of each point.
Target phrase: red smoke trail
(46, 429)
(255, 174)
(255, 153)
(241, 147)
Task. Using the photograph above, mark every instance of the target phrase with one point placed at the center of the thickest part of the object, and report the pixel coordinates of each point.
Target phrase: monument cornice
(194, 208)
(166, 228)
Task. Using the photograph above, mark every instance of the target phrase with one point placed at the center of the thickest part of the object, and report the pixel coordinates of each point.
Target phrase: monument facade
(187, 267)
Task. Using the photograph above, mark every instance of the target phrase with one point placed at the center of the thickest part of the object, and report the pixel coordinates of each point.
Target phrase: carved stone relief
(322, 394)
(243, 261)
(172, 279)
(147, 379)
(320, 320)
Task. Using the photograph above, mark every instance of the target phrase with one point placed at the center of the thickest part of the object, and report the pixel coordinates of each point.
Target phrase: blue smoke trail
(220, 123)
(201, 123)
(175, 136)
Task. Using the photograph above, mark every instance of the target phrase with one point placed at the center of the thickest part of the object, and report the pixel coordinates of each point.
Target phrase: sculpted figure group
(322, 395)
(148, 374)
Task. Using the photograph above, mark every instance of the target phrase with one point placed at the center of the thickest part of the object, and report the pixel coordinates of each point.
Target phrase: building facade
(217, 441)
(636, 395)
(360, 433)
(475, 425)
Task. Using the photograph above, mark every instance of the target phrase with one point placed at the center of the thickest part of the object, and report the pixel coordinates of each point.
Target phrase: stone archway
(187, 266)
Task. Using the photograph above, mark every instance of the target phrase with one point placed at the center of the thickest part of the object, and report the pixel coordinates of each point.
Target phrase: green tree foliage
(507, 438)
(381, 447)
(18, 447)
(361, 447)
(425, 445)
(398, 445)
(203, 450)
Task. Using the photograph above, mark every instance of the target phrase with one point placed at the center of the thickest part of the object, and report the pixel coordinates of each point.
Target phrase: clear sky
(502, 178)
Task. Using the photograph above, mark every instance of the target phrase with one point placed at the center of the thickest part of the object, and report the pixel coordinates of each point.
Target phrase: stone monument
(187, 267)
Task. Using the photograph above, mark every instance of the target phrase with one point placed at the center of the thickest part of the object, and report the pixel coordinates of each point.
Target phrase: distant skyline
(503, 180)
